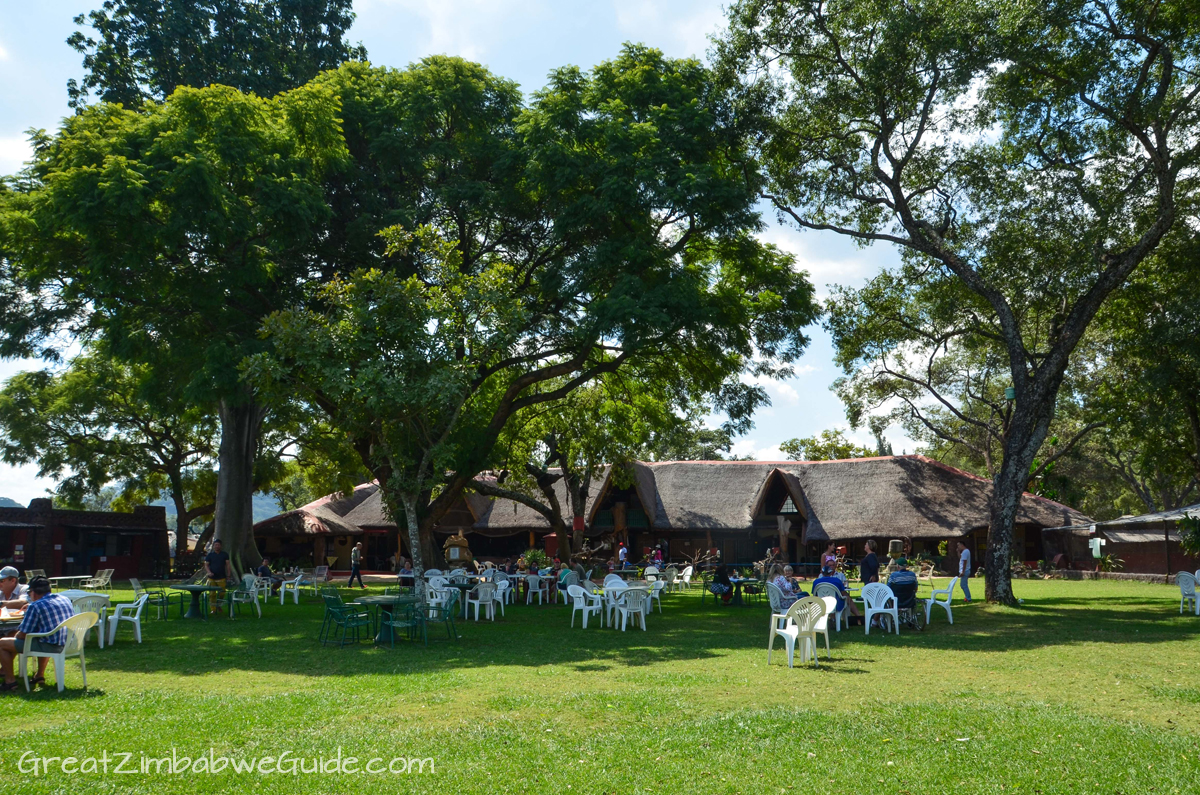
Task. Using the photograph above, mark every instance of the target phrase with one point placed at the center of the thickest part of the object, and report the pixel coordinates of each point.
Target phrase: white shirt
(964, 563)
(19, 592)
(621, 554)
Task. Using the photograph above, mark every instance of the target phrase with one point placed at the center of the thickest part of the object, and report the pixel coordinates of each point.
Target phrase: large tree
(170, 232)
(610, 222)
(1024, 159)
(102, 421)
(140, 50)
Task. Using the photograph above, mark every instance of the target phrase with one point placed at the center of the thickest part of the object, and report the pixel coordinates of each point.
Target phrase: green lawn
(1088, 687)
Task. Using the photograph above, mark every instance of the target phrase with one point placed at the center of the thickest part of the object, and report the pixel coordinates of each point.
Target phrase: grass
(1087, 687)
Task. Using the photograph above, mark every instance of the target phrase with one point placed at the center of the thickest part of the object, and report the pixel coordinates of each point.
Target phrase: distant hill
(265, 507)
(5, 502)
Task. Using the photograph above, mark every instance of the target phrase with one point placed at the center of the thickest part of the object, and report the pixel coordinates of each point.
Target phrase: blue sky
(519, 39)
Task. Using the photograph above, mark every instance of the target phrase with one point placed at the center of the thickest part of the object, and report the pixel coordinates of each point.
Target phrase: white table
(54, 580)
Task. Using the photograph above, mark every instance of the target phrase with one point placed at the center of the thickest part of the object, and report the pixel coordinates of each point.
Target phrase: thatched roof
(505, 517)
(327, 515)
(903, 496)
(894, 496)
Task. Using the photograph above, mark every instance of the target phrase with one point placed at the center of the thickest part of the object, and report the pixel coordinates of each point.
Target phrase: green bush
(1189, 535)
(537, 559)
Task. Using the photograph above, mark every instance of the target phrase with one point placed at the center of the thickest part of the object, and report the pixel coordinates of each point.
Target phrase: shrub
(1189, 534)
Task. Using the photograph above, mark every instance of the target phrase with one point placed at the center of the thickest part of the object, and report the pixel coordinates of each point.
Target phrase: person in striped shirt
(45, 612)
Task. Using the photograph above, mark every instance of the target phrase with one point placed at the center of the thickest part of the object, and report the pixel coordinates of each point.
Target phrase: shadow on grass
(284, 640)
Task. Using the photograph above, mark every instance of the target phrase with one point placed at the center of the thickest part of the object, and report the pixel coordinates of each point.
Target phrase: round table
(194, 610)
(386, 605)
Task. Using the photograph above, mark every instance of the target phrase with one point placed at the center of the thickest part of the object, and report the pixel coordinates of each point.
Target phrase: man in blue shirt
(843, 598)
(44, 613)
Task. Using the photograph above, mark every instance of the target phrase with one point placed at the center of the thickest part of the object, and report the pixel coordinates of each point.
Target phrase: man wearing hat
(901, 576)
(12, 593)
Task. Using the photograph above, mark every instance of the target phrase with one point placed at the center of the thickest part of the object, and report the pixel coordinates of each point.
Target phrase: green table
(194, 611)
(386, 605)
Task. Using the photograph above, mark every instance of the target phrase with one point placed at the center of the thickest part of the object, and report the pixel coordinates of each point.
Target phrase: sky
(522, 40)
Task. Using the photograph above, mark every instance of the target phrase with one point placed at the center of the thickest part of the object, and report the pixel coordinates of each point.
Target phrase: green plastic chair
(333, 601)
(412, 621)
(444, 614)
(347, 619)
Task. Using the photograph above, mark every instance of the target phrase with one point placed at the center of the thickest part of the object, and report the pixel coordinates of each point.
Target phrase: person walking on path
(964, 569)
(355, 561)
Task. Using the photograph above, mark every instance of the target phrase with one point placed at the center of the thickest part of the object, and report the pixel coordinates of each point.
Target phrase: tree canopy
(1024, 159)
(142, 50)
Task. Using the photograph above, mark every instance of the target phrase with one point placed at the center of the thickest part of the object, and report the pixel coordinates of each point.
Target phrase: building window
(788, 506)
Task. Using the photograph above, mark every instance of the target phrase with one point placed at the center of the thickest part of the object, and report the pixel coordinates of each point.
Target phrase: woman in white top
(964, 569)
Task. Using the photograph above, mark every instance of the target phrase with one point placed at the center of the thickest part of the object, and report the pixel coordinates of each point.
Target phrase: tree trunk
(415, 544)
(241, 424)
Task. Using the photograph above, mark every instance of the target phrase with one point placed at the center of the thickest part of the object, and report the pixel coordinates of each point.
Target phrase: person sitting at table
(780, 579)
(843, 598)
(406, 571)
(720, 585)
(264, 571)
(45, 612)
(13, 594)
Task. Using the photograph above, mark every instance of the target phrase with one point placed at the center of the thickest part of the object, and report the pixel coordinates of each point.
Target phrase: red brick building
(82, 542)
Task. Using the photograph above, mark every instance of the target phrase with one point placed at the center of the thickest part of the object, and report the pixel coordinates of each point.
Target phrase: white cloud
(3, 53)
(830, 258)
(679, 29)
(754, 449)
(14, 151)
(467, 28)
(22, 483)
(780, 391)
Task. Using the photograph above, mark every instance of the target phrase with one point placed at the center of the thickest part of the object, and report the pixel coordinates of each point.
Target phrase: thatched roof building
(741, 507)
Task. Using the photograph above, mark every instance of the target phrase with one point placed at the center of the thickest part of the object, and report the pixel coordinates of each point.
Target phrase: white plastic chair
(570, 579)
(948, 593)
(611, 592)
(246, 593)
(632, 603)
(483, 596)
(655, 595)
(262, 586)
(438, 581)
(99, 606)
(650, 573)
(829, 589)
(292, 587)
(502, 580)
(613, 580)
(798, 627)
(1187, 591)
(432, 573)
(671, 578)
(536, 585)
(876, 600)
(320, 576)
(501, 594)
(76, 628)
(686, 578)
(130, 613)
(822, 627)
(457, 572)
(102, 579)
(585, 603)
(775, 597)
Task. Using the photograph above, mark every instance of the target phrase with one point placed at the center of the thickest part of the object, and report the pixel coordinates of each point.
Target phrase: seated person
(843, 598)
(45, 612)
(903, 584)
(405, 575)
(13, 594)
(781, 579)
(264, 571)
(720, 585)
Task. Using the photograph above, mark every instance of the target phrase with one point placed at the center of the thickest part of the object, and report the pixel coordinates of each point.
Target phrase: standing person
(622, 553)
(216, 566)
(868, 569)
(355, 563)
(829, 557)
(964, 569)
(45, 612)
